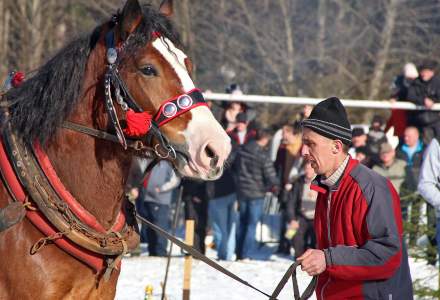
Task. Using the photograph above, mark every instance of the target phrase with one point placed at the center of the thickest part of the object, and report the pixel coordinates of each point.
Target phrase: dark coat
(221, 187)
(254, 171)
(294, 200)
(417, 93)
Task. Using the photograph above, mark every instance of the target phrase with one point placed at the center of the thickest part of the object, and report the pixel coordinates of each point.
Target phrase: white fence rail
(378, 104)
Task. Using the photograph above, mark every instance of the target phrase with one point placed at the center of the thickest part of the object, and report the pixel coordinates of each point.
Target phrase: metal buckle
(170, 150)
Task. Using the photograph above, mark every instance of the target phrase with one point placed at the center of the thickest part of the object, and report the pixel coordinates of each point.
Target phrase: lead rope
(291, 272)
(196, 254)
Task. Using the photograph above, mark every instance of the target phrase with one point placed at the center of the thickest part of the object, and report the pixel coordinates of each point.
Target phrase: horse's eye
(149, 71)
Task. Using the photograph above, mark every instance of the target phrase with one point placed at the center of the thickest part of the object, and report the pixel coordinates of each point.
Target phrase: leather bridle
(116, 88)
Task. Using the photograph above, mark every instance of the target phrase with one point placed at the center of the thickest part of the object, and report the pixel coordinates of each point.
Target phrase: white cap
(410, 71)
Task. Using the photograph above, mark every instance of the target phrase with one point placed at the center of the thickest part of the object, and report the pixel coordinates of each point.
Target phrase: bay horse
(137, 54)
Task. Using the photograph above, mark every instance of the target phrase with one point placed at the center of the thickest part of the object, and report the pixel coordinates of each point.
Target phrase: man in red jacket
(358, 224)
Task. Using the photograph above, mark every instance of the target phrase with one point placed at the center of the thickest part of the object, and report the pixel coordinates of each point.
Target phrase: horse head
(156, 74)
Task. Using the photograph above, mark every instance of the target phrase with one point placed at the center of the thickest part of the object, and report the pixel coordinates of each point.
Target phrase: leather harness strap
(55, 209)
(137, 145)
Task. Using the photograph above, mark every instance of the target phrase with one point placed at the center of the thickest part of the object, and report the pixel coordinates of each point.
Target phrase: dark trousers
(197, 211)
(305, 237)
(433, 234)
(157, 214)
(284, 244)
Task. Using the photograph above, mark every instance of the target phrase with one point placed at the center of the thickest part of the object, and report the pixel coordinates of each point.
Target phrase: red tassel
(156, 34)
(138, 124)
(17, 79)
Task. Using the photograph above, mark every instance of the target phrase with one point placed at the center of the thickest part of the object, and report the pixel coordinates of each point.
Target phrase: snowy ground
(208, 284)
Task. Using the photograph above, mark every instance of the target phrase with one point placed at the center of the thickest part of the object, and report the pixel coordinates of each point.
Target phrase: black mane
(46, 99)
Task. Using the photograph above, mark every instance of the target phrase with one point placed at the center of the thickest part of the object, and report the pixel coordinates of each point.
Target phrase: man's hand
(313, 262)
(294, 224)
(196, 199)
(133, 194)
(428, 103)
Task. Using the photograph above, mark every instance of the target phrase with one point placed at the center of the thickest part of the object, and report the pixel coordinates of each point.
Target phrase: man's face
(387, 158)
(411, 136)
(241, 126)
(317, 150)
(426, 74)
(358, 141)
(287, 134)
(376, 126)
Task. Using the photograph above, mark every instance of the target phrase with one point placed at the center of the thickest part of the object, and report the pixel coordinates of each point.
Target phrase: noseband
(169, 110)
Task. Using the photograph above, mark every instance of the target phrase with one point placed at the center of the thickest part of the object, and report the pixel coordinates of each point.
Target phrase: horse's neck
(93, 171)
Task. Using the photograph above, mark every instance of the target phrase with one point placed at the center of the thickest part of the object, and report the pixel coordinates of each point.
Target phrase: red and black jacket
(361, 235)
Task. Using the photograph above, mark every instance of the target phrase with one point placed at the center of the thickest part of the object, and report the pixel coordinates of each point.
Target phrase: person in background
(358, 139)
(240, 135)
(288, 152)
(255, 175)
(362, 155)
(232, 109)
(375, 137)
(223, 212)
(390, 167)
(411, 151)
(429, 181)
(287, 157)
(301, 211)
(154, 200)
(399, 92)
(229, 119)
(196, 208)
(425, 91)
(361, 252)
(307, 110)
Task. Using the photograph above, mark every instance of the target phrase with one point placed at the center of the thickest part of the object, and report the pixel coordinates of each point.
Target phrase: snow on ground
(209, 284)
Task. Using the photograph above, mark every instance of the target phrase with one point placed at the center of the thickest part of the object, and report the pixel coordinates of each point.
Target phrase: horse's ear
(166, 8)
(131, 16)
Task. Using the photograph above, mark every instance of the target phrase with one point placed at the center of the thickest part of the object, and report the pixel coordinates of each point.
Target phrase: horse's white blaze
(176, 58)
(203, 129)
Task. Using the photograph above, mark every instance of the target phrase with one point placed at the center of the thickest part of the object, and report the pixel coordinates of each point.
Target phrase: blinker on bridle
(169, 110)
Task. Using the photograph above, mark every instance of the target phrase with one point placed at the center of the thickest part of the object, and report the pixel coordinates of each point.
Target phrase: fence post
(189, 240)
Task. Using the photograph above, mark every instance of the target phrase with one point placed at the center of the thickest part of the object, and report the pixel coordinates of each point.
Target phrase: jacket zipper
(329, 238)
(328, 218)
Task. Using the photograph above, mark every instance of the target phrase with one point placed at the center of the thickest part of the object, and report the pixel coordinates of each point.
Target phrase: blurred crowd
(266, 164)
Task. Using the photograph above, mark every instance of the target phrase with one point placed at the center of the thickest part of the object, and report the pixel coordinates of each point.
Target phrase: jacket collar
(318, 186)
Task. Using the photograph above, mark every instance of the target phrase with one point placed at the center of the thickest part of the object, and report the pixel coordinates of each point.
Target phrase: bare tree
(384, 50)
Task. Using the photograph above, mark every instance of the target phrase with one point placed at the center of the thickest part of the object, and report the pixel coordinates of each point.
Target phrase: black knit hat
(329, 119)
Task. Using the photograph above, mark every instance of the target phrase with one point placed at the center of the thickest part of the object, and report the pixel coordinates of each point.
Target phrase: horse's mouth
(188, 168)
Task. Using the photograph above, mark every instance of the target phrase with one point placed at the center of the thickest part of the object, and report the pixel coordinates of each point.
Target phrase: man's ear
(131, 16)
(336, 147)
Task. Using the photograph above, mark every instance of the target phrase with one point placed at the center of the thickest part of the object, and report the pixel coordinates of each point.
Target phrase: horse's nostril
(209, 152)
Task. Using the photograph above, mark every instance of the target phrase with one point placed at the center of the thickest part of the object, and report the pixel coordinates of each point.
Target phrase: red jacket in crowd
(361, 235)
